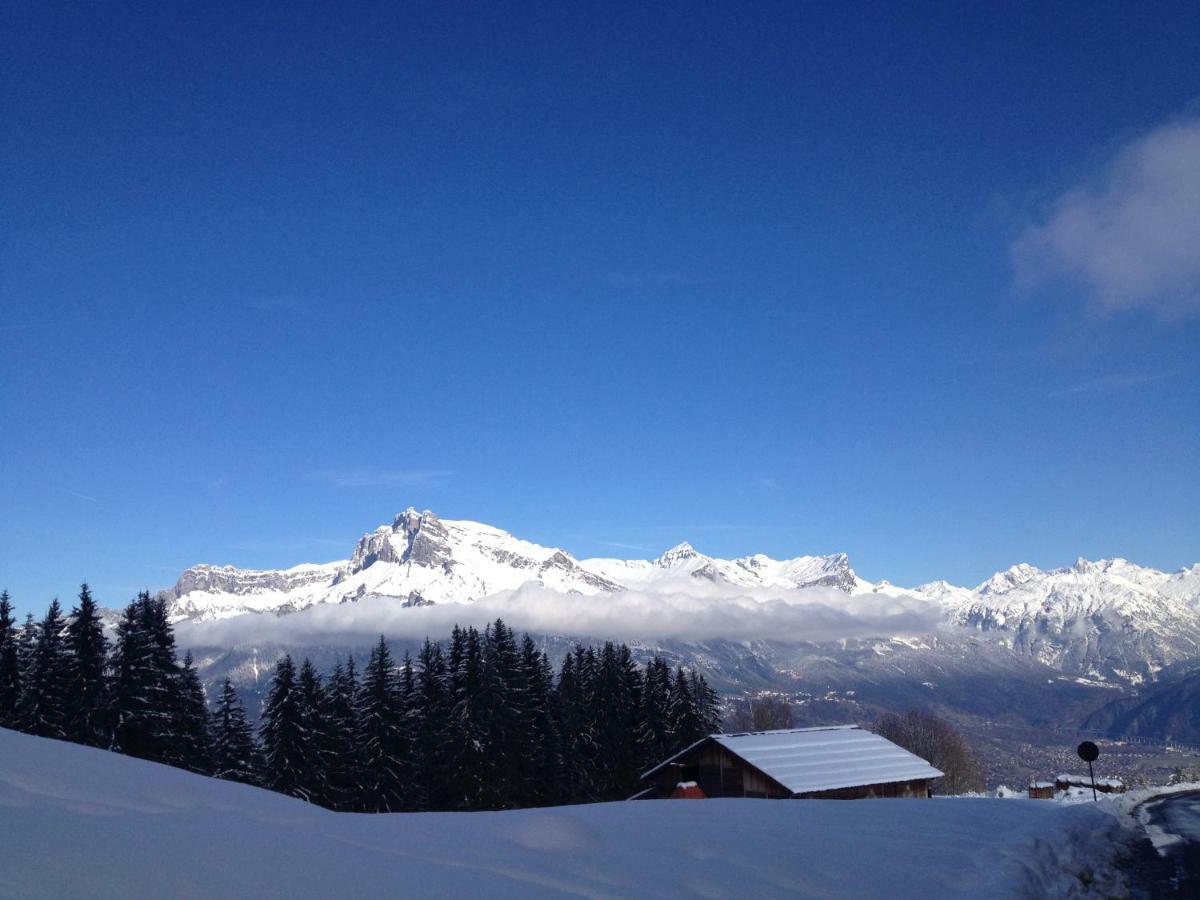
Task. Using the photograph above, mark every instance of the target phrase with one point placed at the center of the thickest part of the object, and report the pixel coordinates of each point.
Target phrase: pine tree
(283, 755)
(383, 740)
(615, 701)
(433, 728)
(26, 644)
(708, 705)
(342, 788)
(468, 745)
(686, 724)
(541, 757)
(314, 734)
(87, 650)
(654, 736)
(576, 726)
(192, 750)
(43, 704)
(234, 754)
(10, 666)
(145, 705)
(499, 713)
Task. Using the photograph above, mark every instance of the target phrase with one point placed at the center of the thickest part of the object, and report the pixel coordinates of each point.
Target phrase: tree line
(483, 723)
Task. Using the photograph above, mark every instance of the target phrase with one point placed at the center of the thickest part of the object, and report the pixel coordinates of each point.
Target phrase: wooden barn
(841, 762)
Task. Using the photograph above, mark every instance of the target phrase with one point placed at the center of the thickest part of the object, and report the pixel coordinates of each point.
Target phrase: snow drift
(78, 822)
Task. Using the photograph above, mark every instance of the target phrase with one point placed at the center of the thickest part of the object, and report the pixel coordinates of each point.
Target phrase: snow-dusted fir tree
(145, 702)
(10, 665)
(687, 727)
(432, 736)
(283, 753)
(468, 742)
(382, 739)
(342, 778)
(234, 755)
(313, 765)
(541, 758)
(192, 751)
(499, 709)
(708, 705)
(42, 707)
(654, 735)
(87, 691)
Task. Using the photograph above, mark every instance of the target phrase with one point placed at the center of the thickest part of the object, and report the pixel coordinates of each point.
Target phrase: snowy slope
(78, 822)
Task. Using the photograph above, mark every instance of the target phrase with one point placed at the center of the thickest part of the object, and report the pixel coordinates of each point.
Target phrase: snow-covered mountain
(421, 559)
(1110, 620)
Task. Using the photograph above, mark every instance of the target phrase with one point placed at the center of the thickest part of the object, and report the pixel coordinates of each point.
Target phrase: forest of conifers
(483, 723)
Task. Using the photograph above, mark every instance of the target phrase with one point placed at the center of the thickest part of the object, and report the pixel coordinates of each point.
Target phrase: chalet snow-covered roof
(821, 759)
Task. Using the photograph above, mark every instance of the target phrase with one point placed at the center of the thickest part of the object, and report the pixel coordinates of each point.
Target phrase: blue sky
(913, 282)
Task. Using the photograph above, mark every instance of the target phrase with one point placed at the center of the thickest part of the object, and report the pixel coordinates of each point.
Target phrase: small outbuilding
(1041, 790)
(840, 762)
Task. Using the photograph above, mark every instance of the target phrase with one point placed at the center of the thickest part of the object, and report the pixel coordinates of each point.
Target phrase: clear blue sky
(793, 278)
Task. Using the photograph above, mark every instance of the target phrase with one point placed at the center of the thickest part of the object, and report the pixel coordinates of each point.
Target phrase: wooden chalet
(842, 762)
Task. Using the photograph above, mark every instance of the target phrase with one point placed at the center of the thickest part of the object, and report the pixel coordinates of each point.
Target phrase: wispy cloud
(372, 477)
(766, 482)
(1107, 384)
(1129, 237)
(77, 495)
(618, 545)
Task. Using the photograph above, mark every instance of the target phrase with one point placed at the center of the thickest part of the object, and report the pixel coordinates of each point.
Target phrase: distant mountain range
(1109, 620)
(1007, 645)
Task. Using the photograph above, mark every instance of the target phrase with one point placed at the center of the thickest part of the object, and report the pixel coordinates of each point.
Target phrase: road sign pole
(1092, 772)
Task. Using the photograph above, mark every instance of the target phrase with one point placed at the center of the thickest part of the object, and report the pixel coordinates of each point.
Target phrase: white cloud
(1132, 238)
(684, 611)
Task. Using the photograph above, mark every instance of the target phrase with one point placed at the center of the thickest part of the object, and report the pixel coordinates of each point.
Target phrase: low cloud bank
(697, 613)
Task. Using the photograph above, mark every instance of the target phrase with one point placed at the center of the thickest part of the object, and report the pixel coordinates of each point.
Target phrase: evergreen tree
(383, 740)
(576, 726)
(708, 705)
(10, 665)
(26, 644)
(314, 734)
(686, 724)
(654, 736)
(87, 649)
(145, 704)
(541, 758)
(342, 791)
(234, 754)
(615, 703)
(468, 744)
(432, 735)
(283, 755)
(499, 716)
(43, 704)
(193, 750)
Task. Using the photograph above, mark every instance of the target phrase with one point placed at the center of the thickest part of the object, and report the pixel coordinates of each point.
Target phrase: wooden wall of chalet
(918, 788)
(719, 774)
(722, 774)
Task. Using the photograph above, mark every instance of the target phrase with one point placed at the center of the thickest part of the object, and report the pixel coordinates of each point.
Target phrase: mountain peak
(676, 555)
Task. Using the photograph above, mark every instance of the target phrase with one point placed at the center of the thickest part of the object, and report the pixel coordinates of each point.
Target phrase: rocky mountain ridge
(1108, 621)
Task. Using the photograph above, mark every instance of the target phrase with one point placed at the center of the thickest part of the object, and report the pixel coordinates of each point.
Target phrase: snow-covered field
(78, 822)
